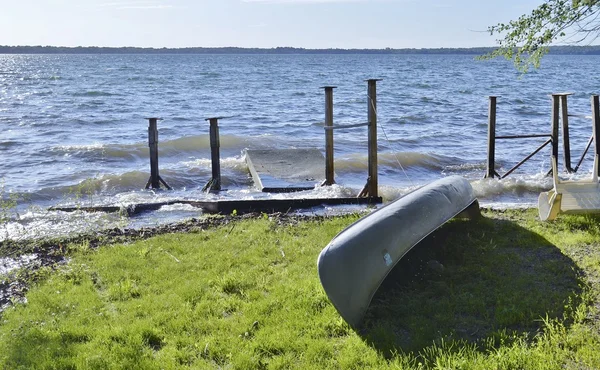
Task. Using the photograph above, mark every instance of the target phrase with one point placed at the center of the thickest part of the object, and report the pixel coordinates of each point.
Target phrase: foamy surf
(51, 224)
(516, 192)
(167, 147)
(355, 162)
(8, 264)
(518, 185)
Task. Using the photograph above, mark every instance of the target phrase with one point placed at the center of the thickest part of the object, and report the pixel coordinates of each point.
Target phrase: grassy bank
(502, 292)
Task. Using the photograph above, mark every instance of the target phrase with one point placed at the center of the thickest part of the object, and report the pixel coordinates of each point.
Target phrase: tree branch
(526, 40)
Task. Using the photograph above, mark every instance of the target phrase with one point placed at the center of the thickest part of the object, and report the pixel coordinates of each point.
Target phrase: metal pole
(153, 182)
(372, 182)
(596, 125)
(555, 124)
(565, 132)
(215, 155)
(155, 179)
(491, 138)
(329, 169)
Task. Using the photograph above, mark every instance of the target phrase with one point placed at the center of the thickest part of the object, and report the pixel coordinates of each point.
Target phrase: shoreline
(254, 279)
(51, 253)
(475, 50)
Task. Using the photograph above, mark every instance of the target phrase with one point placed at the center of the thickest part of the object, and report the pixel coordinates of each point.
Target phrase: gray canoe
(355, 263)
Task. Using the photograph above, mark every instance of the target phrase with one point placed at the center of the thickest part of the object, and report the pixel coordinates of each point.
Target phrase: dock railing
(559, 115)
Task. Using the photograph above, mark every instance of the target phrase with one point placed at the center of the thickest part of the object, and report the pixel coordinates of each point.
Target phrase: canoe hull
(355, 263)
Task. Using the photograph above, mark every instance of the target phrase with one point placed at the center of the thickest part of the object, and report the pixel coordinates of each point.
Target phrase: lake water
(73, 128)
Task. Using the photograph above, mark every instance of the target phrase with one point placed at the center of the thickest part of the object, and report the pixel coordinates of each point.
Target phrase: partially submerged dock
(273, 171)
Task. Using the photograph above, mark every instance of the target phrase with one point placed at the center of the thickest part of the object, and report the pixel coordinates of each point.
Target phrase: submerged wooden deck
(286, 170)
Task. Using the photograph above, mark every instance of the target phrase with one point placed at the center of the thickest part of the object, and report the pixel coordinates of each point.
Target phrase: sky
(256, 23)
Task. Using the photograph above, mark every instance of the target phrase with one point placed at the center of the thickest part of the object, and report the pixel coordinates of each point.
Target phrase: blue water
(73, 128)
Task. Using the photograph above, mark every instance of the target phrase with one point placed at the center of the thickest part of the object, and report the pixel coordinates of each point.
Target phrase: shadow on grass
(468, 281)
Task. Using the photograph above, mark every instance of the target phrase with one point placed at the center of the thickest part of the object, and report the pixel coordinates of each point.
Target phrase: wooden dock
(286, 170)
(274, 171)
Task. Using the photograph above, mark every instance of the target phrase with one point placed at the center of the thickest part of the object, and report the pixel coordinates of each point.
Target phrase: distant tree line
(577, 50)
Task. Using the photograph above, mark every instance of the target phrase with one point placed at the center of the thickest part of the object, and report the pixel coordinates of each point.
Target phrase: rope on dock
(389, 142)
(346, 126)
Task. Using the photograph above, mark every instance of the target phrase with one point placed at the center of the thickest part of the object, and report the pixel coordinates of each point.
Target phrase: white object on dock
(570, 197)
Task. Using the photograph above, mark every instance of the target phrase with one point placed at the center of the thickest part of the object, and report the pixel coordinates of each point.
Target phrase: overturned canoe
(355, 263)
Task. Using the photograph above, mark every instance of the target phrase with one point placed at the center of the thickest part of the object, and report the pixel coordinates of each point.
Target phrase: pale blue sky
(256, 23)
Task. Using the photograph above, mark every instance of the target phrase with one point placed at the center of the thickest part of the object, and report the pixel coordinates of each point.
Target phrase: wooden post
(155, 180)
(596, 128)
(555, 124)
(372, 182)
(214, 184)
(565, 131)
(491, 170)
(329, 169)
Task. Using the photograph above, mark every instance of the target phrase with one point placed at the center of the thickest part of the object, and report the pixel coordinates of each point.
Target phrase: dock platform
(286, 170)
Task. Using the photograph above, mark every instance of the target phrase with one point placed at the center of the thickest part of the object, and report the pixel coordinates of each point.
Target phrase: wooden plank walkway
(226, 207)
(286, 170)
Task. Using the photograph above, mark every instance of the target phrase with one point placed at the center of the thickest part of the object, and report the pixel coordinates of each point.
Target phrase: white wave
(75, 148)
(180, 208)
(10, 264)
(236, 163)
(511, 185)
(50, 224)
(507, 205)
(391, 193)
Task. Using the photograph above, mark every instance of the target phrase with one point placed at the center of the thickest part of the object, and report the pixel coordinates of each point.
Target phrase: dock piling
(155, 180)
(329, 166)
(371, 188)
(565, 131)
(596, 128)
(214, 184)
(491, 171)
(555, 124)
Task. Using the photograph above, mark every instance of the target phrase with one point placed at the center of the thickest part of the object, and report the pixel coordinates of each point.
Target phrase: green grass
(503, 292)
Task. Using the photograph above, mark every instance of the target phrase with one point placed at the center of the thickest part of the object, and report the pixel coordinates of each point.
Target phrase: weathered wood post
(372, 183)
(329, 169)
(491, 170)
(555, 124)
(565, 131)
(214, 184)
(596, 127)
(155, 180)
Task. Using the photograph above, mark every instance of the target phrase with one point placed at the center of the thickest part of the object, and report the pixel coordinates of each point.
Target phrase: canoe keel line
(355, 263)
